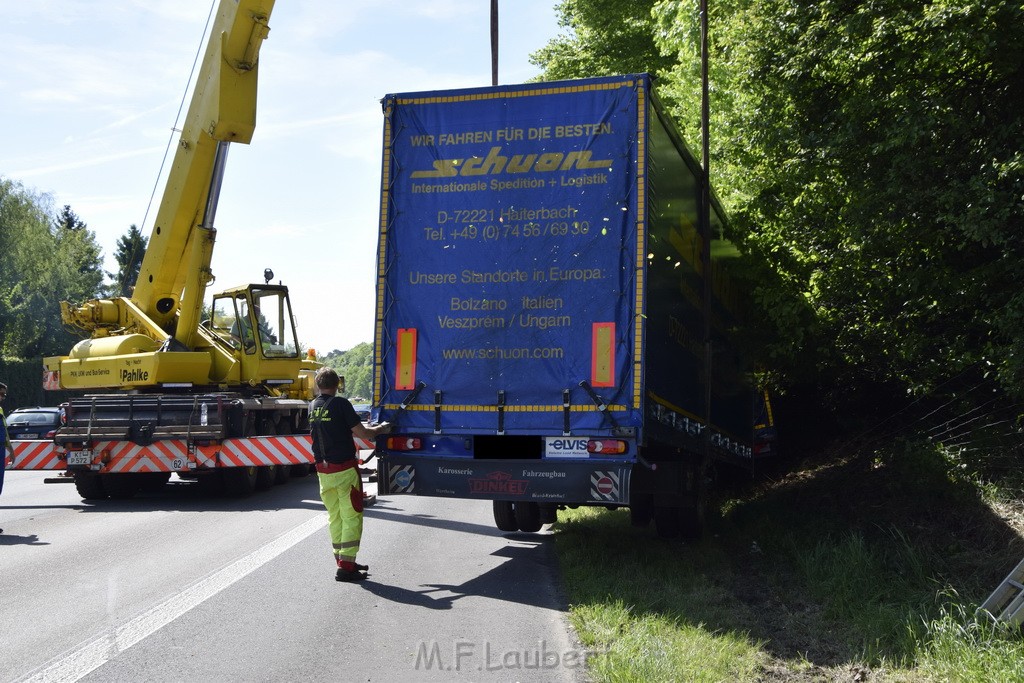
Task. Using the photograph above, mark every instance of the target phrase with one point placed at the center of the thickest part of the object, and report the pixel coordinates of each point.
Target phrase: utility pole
(705, 222)
(494, 42)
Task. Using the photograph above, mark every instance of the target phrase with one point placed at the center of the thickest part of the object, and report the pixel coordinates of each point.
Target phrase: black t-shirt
(331, 419)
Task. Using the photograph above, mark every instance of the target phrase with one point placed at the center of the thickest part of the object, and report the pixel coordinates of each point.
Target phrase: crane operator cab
(257, 319)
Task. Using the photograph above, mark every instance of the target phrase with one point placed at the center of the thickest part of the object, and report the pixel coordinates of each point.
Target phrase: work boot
(349, 575)
(369, 499)
(355, 566)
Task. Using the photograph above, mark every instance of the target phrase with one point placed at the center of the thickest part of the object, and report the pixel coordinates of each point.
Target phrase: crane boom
(155, 339)
(164, 384)
(176, 267)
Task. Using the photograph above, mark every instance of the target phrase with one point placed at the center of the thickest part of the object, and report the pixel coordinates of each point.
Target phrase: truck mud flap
(541, 481)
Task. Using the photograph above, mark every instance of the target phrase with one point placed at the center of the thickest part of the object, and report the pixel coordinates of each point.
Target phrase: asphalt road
(175, 586)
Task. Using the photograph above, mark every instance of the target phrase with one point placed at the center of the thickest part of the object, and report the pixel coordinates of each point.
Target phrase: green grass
(857, 571)
(962, 647)
(647, 612)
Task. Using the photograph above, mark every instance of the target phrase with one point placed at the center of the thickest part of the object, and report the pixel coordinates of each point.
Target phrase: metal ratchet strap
(601, 405)
(409, 399)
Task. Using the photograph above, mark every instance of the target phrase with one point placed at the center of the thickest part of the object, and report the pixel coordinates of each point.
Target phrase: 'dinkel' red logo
(498, 482)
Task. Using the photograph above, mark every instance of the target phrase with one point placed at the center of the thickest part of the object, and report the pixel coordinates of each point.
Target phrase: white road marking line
(94, 654)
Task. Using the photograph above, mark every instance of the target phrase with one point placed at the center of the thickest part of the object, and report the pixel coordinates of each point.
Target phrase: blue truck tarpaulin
(511, 245)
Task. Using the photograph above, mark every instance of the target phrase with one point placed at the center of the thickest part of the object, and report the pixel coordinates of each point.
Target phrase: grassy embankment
(866, 569)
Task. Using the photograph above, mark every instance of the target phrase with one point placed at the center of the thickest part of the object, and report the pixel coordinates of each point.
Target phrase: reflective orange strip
(602, 353)
(405, 359)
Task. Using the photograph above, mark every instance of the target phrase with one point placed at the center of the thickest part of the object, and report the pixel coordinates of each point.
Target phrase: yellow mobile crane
(182, 393)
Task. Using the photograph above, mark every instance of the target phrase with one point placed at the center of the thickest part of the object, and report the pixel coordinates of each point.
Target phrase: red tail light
(403, 443)
(607, 446)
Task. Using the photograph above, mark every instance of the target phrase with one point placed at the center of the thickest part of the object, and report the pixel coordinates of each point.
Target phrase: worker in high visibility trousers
(332, 423)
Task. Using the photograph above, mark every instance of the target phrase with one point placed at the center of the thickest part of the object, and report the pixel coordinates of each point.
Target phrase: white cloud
(82, 163)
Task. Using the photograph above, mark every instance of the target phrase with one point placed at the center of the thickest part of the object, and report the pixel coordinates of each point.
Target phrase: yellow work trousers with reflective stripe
(342, 494)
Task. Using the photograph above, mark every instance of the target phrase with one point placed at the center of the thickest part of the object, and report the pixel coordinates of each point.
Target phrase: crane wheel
(89, 486)
(265, 476)
(239, 481)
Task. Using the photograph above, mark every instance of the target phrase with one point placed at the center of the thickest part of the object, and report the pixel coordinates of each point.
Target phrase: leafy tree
(356, 366)
(77, 246)
(871, 151)
(882, 162)
(68, 220)
(23, 226)
(131, 249)
(47, 259)
(607, 37)
(76, 275)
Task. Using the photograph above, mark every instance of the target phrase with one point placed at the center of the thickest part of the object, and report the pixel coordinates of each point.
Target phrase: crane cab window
(222, 318)
(273, 313)
(270, 316)
(229, 323)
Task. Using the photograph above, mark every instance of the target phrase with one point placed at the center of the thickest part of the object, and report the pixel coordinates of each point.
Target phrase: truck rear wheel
(239, 481)
(282, 473)
(89, 486)
(680, 522)
(641, 510)
(265, 476)
(548, 513)
(691, 522)
(210, 483)
(505, 516)
(528, 516)
(303, 470)
(153, 482)
(121, 485)
(666, 521)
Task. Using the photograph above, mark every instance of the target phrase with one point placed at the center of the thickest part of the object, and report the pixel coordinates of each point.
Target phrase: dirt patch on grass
(966, 545)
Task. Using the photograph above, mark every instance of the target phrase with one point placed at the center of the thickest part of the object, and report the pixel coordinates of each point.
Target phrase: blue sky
(91, 90)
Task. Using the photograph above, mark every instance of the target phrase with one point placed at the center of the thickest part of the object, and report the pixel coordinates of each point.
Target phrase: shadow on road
(14, 539)
(44, 507)
(530, 566)
(188, 496)
(408, 597)
(385, 509)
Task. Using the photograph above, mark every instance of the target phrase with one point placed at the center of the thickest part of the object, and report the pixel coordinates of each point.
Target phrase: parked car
(363, 411)
(34, 423)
